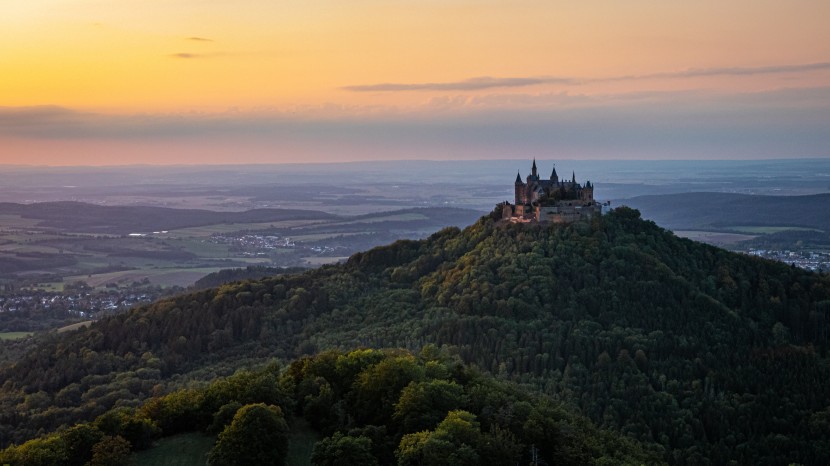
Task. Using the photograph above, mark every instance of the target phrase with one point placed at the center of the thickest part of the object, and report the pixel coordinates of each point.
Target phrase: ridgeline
(700, 355)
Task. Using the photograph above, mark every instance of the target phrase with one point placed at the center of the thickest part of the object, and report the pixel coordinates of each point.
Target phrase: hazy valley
(670, 350)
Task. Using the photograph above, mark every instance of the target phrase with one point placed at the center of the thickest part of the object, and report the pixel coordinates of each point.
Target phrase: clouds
(192, 55)
(186, 55)
(488, 82)
(472, 84)
(729, 71)
(781, 123)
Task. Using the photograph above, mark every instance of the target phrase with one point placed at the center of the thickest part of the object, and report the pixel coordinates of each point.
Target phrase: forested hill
(704, 354)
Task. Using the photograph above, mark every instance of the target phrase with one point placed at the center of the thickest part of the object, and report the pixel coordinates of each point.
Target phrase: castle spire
(518, 178)
(573, 178)
(553, 176)
(533, 169)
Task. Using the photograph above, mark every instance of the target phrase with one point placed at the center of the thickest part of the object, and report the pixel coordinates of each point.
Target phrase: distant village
(75, 303)
(809, 260)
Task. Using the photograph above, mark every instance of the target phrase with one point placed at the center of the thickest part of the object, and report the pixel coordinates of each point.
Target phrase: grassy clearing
(300, 443)
(76, 326)
(52, 287)
(191, 449)
(178, 450)
(162, 277)
(409, 217)
(315, 261)
(768, 230)
(323, 236)
(14, 335)
(207, 230)
(200, 247)
(11, 222)
(714, 237)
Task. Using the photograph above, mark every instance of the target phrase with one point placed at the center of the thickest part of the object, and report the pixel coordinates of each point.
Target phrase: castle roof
(518, 178)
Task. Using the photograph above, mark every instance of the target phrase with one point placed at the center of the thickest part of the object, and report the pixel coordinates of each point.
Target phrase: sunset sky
(94, 82)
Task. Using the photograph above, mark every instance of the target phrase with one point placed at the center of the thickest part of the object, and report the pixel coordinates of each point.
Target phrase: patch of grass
(207, 230)
(716, 238)
(75, 326)
(323, 236)
(14, 335)
(315, 261)
(300, 443)
(768, 230)
(178, 450)
(54, 287)
(190, 449)
(162, 277)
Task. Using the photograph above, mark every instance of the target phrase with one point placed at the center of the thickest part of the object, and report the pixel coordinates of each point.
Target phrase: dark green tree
(258, 435)
(343, 450)
(110, 451)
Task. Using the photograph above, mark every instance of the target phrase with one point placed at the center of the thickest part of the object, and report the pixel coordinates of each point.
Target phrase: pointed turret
(533, 170)
(518, 178)
(553, 176)
(573, 178)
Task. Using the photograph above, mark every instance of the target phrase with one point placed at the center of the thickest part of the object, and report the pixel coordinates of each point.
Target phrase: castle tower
(519, 190)
(533, 170)
(554, 178)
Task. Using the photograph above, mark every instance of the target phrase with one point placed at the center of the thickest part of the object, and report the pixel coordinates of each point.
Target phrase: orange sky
(254, 64)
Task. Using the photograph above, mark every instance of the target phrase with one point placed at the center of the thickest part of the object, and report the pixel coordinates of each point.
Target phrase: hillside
(367, 407)
(702, 354)
(724, 210)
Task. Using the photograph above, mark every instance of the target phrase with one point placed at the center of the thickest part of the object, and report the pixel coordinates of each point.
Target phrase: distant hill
(252, 272)
(724, 210)
(91, 218)
(701, 355)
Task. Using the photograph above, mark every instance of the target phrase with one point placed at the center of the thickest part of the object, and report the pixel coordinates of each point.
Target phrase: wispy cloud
(782, 123)
(191, 55)
(488, 82)
(186, 55)
(198, 39)
(472, 84)
(727, 71)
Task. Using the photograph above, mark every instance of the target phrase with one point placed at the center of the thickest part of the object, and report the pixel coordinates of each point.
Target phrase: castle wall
(575, 203)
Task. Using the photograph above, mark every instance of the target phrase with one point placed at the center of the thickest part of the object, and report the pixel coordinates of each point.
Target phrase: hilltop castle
(553, 200)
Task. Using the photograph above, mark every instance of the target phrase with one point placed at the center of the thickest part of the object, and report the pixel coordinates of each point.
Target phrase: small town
(809, 260)
(250, 245)
(74, 304)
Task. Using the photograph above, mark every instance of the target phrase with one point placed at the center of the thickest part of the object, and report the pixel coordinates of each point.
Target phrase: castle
(553, 200)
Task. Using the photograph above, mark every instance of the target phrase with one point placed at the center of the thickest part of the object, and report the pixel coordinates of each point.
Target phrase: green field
(191, 449)
(76, 326)
(163, 277)
(716, 238)
(300, 443)
(768, 230)
(179, 450)
(207, 230)
(14, 335)
(322, 260)
(408, 217)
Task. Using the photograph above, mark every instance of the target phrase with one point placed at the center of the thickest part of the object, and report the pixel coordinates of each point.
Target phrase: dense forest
(371, 407)
(702, 355)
